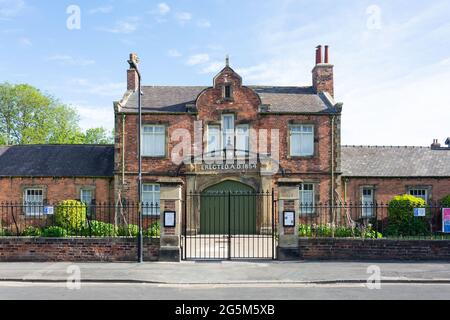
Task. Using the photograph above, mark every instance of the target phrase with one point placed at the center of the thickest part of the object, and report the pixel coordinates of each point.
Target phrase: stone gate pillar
(288, 200)
(171, 200)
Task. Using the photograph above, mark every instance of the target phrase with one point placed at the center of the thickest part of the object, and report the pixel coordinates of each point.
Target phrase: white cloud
(125, 26)
(163, 8)
(109, 89)
(25, 42)
(384, 78)
(11, 8)
(105, 9)
(197, 59)
(213, 67)
(203, 23)
(93, 116)
(67, 60)
(183, 17)
(174, 53)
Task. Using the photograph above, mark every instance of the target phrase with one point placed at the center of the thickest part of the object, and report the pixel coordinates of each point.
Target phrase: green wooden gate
(228, 208)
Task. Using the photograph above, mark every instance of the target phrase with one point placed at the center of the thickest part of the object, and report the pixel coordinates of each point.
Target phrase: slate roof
(57, 161)
(279, 99)
(375, 161)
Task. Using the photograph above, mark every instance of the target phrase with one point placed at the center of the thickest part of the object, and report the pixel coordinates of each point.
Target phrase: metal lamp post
(134, 61)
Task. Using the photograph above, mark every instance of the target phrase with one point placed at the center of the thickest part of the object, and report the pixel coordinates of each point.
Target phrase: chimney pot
(326, 54)
(318, 54)
(435, 144)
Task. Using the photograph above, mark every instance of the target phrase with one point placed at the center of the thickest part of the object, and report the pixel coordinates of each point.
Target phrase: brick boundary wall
(14, 249)
(380, 249)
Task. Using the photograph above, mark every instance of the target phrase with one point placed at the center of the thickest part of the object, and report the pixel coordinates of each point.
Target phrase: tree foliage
(28, 116)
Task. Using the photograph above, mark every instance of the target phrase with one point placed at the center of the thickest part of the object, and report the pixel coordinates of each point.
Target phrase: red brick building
(227, 136)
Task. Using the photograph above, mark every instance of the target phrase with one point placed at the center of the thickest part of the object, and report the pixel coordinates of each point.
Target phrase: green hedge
(54, 232)
(71, 215)
(446, 201)
(326, 231)
(96, 228)
(32, 232)
(154, 230)
(401, 220)
(131, 230)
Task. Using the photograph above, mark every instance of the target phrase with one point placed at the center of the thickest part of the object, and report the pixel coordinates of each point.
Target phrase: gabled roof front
(375, 161)
(277, 99)
(57, 161)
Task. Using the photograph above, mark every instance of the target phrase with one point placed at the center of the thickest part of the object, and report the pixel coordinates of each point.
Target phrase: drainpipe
(332, 171)
(345, 189)
(123, 150)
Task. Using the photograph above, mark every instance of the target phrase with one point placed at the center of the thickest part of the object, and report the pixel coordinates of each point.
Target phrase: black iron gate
(231, 224)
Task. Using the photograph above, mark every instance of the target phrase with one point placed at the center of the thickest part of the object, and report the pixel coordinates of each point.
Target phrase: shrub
(446, 201)
(154, 230)
(131, 230)
(71, 215)
(32, 232)
(368, 233)
(401, 220)
(304, 230)
(54, 232)
(5, 233)
(96, 228)
(326, 230)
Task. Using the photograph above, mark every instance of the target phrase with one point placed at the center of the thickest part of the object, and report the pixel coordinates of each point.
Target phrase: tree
(98, 136)
(28, 116)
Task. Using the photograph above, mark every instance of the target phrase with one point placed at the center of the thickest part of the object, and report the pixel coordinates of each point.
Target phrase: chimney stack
(435, 144)
(132, 75)
(322, 73)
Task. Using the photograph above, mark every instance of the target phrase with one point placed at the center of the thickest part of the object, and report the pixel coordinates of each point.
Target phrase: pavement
(229, 273)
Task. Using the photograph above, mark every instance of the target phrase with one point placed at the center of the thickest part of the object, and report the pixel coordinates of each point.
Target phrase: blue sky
(392, 58)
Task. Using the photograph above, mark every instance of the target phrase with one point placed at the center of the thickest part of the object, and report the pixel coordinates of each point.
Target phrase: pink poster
(446, 220)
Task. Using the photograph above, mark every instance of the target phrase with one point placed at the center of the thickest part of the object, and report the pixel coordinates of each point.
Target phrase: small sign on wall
(419, 212)
(48, 210)
(446, 220)
(169, 219)
(289, 219)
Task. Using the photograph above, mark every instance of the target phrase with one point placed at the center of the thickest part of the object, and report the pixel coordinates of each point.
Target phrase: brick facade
(56, 188)
(210, 106)
(380, 249)
(74, 250)
(386, 188)
(322, 169)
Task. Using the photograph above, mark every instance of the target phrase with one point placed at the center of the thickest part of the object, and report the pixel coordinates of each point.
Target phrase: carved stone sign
(228, 166)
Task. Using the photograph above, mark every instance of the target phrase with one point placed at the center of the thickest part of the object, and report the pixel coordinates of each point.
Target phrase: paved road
(103, 291)
(227, 272)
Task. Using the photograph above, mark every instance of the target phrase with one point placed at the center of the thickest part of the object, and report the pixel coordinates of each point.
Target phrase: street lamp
(134, 61)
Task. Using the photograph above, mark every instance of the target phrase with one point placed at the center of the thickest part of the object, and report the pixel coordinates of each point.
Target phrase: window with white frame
(154, 140)
(151, 199)
(33, 201)
(419, 193)
(301, 140)
(213, 144)
(86, 196)
(367, 201)
(228, 131)
(306, 198)
(242, 140)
